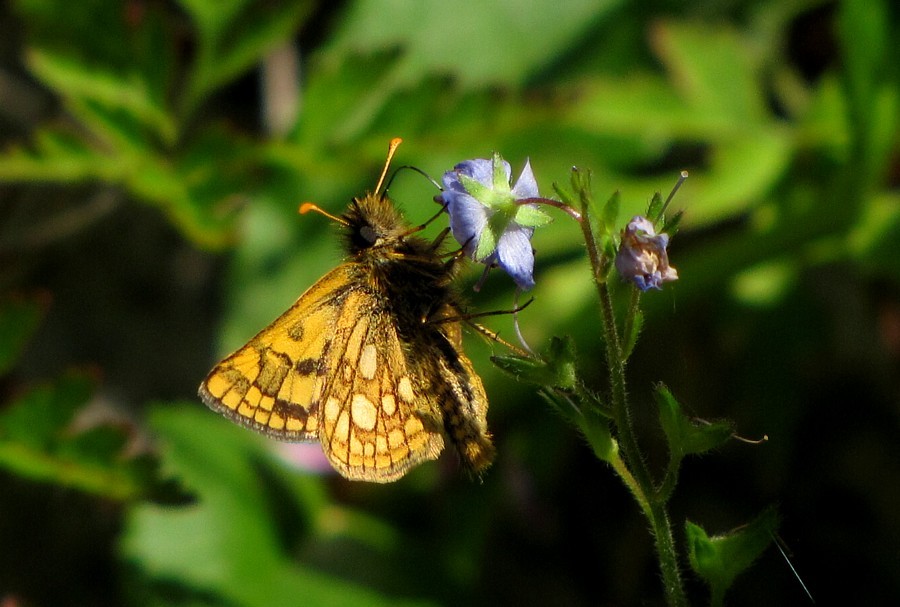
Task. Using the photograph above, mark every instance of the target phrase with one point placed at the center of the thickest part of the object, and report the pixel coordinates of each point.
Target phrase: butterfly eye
(368, 232)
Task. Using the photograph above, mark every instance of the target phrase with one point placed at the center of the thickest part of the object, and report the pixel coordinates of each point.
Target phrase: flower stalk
(494, 222)
(633, 470)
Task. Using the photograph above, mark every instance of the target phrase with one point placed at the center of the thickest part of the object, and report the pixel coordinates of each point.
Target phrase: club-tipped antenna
(306, 207)
(392, 148)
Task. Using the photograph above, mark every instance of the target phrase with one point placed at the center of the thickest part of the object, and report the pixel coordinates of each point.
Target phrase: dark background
(165, 234)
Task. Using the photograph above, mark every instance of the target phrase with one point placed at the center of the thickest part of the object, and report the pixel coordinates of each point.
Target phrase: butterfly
(369, 360)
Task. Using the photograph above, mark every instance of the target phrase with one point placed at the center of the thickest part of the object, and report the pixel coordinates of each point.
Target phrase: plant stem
(655, 506)
(668, 557)
(615, 362)
(659, 519)
(619, 395)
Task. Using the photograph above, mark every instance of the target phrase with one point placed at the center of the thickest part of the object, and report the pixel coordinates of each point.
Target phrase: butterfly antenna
(306, 207)
(432, 180)
(392, 148)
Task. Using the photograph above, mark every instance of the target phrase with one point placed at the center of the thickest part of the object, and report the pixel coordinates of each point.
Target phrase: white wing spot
(342, 427)
(368, 362)
(405, 389)
(388, 404)
(332, 408)
(363, 411)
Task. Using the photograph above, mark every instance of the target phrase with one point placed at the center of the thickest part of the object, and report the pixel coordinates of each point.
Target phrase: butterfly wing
(378, 414)
(333, 367)
(269, 384)
(460, 392)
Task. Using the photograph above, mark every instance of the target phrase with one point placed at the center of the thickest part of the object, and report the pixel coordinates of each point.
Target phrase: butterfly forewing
(269, 384)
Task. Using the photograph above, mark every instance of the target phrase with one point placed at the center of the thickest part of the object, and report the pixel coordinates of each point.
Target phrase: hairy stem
(635, 470)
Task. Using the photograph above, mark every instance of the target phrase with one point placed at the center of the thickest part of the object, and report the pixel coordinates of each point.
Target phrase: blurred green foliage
(147, 188)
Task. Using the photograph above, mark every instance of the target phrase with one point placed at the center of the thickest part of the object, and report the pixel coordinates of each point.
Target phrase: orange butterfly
(369, 360)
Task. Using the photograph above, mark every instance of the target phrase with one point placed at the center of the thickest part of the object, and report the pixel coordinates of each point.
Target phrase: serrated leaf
(720, 559)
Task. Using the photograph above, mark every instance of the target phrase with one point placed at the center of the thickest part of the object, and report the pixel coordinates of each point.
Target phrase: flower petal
(480, 169)
(515, 255)
(468, 219)
(484, 214)
(526, 185)
(642, 256)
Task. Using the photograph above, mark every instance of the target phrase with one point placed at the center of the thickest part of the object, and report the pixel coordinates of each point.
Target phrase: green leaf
(590, 211)
(57, 156)
(556, 368)
(595, 428)
(38, 417)
(499, 45)
(699, 57)
(557, 374)
(633, 332)
(684, 435)
(530, 370)
(233, 36)
(39, 441)
(19, 319)
(655, 207)
(610, 213)
(720, 559)
(672, 222)
(107, 87)
(232, 541)
(565, 195)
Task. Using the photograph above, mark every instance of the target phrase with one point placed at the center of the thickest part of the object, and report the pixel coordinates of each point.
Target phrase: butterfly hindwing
(376, 421)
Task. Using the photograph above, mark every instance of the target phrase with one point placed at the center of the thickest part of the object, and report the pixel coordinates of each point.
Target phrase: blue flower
(642, 256)
(489, 218)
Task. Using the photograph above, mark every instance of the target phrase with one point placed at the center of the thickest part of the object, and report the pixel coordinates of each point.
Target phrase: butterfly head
(372, 222)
